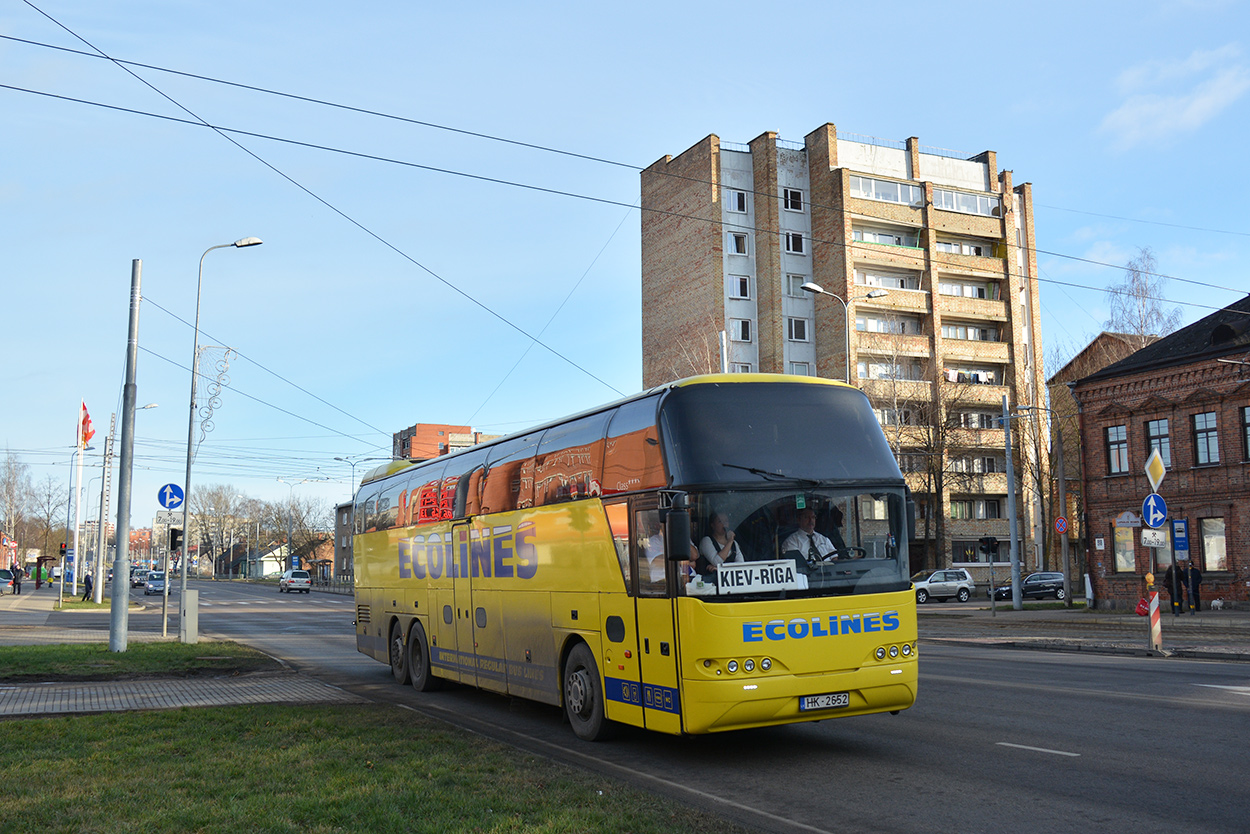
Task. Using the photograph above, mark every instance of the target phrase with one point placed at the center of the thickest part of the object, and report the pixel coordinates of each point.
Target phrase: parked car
(295, 580)
(6, 581)
(950, 583)
(155, 583)
(1035, 586)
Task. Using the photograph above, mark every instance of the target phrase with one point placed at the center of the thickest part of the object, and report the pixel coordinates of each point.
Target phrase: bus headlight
(893, 651)
(880, 653)
(748, 665)
(766, 664)
(732, 666)
(907, 650)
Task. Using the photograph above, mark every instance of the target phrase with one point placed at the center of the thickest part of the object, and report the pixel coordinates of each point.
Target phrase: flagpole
(82, 409)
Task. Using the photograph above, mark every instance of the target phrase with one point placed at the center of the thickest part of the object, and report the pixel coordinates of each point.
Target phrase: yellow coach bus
(722, 552)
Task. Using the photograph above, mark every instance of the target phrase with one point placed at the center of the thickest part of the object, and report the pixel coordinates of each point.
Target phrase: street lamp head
(877, 294)
(248, 241)
(149, 405)
(812, 287)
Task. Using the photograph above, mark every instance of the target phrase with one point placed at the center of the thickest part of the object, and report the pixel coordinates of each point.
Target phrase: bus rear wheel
(423, 679)
(583, 695)
(399, 656)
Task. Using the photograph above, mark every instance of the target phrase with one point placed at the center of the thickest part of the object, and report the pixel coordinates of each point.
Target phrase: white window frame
(797, 329)
(886, 191)
(736, 201)
(888, 280)
(792, 199)
(740, 287)
(739, 237)
(801, 368)
(794, 285)
(966, 202)
(740, 330)
(740, 367)
(886, 237)
(795, 244)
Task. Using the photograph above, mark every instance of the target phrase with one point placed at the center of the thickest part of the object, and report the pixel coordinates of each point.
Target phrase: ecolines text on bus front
(497, 551)
(802, 629)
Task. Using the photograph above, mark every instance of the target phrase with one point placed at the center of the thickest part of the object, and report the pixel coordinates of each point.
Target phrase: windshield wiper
(773, 476)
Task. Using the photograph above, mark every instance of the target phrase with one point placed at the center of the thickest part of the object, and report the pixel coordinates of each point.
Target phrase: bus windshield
(823, 541)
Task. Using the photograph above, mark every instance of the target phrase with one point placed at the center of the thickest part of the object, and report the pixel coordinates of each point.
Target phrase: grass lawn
(282, 768)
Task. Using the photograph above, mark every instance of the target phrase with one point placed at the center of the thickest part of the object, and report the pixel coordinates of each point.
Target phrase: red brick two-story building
(1188, 395)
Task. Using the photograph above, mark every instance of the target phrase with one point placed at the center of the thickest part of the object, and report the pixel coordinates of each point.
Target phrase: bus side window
(652, 567)
(618, 521)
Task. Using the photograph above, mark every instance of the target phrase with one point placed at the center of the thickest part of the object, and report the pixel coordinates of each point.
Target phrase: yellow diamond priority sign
(1155, 470)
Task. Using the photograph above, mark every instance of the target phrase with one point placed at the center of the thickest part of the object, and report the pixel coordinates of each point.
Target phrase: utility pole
(119, 609)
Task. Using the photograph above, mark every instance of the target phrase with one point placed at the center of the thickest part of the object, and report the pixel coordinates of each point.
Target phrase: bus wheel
(423, 679)
(399, 657)
(583, 696)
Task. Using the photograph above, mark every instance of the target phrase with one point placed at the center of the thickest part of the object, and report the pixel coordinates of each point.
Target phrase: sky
(447, 195)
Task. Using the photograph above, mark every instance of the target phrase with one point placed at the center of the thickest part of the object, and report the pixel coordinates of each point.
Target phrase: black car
(1035, 586)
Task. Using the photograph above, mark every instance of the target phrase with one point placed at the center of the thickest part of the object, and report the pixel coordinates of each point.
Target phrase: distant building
(343, 563)
(931, 257)
(425, 441)
(1187, 395)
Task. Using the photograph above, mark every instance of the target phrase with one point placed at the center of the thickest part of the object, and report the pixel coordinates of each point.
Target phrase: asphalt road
(1000, 739)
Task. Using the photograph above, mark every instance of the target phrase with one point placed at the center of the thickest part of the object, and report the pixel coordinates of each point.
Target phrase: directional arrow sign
(1154, 510)
(169, 496)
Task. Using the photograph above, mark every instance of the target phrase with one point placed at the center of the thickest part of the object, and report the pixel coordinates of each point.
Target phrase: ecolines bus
(558, 564)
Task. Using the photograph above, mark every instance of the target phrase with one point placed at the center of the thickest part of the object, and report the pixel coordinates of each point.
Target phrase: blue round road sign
(169, 496)
(1154, 510)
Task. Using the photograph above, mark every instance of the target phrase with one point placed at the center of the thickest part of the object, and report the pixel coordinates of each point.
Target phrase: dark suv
(1035, 586)
(949, 583)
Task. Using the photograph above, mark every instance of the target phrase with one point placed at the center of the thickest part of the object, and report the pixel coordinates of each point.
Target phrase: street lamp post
(817, 289)
(186, 492)
(352, 464)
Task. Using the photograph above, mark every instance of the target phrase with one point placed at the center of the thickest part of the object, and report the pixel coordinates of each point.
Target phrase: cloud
(1168, 98)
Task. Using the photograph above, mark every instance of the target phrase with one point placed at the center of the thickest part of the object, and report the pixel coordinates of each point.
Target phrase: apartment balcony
(963, 394)
(898, 301)
(977, 483)
(969, 350)
(885, 391)
(973, 308)
(959, 224)
(889, 345)
(962, 438)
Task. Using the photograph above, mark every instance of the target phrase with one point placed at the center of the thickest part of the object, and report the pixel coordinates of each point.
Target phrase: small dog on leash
(1217, 605)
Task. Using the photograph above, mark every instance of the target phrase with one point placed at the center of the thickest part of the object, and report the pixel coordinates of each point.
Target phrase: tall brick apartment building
(731, 233)
(1188, 395)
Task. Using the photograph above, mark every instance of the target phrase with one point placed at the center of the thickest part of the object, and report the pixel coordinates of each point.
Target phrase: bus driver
(814, 546)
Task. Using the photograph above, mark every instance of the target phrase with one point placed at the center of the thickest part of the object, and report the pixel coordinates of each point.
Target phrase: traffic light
(62, 550)
(175, 539)
(989, 546)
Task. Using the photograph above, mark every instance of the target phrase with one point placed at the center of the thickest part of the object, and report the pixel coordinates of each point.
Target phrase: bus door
(622, 682)
(657, 634)
(466, 539)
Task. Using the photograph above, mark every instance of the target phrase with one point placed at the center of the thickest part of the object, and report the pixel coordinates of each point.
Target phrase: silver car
(948, 583)
(155, 583)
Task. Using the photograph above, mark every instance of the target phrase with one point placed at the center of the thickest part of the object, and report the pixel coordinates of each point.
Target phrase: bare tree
(699, 349)
(48, 500)
(216, 519)
(15, 497)
(1138, 308)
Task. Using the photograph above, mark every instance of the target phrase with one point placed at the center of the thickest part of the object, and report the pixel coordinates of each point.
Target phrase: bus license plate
(832, 700)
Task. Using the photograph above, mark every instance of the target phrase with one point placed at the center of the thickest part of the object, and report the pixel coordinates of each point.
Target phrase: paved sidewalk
(24, 621)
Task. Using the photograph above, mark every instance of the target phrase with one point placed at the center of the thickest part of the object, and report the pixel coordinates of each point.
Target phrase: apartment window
(1157, 438)
(888, 370)
(793, 199)
(794, 286)
(1213, 553)
(969, 289)
(889, 237)
(963, 202)
(794, 243)
(970, 332)
(887, 324)
(1206, 439)
(801, 368)
(1124, 556)
(894, 416)
(737, 201)
(737, 243)
(911, 463)
(887, 191)
(977, 465)
(976, 420)
(740, 330)
(796, 329)
(973, 376)
(1117, 450)
(952, 247)
(740, 367)
(887, 280)
(978, 508)
(739, 286)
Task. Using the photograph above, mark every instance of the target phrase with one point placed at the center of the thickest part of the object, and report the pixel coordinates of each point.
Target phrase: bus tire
(583, 695)
(423, 679)
(398, 654)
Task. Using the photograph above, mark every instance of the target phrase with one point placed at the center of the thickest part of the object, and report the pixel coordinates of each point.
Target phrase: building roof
(1219, 334)
(1098, 354)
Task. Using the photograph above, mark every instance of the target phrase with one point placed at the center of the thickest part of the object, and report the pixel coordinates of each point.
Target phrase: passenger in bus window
(653, 544)
(718, 547)
(814, 546)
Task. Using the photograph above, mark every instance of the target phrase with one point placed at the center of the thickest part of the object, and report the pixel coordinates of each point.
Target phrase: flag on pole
(85, 432)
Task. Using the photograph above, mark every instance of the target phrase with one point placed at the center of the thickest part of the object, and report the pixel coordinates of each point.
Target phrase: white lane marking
(1038, 749)
(1240, 690)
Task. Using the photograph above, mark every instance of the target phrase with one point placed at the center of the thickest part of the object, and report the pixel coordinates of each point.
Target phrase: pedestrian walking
(1195, 595)
(1174, 580)
(17, 579)
(87, 584)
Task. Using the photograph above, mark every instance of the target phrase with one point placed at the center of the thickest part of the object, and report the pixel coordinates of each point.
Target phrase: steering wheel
(863, 553)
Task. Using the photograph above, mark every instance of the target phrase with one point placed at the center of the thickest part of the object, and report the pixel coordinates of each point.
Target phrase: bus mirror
(677, 530)
(911, 520)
